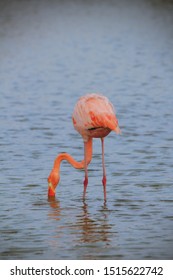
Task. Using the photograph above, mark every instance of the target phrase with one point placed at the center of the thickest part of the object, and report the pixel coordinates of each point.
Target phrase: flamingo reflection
(93, 230)
(85, 228)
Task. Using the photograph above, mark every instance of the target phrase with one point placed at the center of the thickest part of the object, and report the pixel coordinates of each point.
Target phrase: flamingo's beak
(51, 190)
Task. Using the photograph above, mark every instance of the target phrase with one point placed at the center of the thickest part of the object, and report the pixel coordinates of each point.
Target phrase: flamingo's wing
(92, 111)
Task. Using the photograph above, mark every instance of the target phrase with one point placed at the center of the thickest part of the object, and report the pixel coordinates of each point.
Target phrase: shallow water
(51, 53)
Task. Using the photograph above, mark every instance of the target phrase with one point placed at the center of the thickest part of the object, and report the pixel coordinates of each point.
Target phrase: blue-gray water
(52, 52)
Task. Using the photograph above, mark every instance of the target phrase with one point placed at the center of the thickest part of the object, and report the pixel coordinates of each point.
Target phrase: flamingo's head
(53, 181)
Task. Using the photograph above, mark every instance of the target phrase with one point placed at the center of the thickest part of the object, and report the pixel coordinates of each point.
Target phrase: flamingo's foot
(104, 187)
(85, 184)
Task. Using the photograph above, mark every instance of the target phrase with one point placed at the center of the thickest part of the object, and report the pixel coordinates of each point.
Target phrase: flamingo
(93, 117)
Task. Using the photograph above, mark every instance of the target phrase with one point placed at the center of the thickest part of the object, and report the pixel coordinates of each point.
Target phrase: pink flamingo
(93, 117)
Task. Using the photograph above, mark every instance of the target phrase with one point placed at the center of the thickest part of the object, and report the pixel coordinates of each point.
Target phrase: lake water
(51, 53)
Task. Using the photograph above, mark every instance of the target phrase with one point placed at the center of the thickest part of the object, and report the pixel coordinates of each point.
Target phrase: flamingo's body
(93, 117)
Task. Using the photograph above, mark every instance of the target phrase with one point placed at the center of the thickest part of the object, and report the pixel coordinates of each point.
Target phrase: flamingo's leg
(85, 183)
(104, 170)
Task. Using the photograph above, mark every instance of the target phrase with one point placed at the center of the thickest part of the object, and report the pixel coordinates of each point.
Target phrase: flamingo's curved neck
(71, 160)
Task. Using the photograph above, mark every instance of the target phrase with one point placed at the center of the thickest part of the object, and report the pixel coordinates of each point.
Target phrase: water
(51, 53)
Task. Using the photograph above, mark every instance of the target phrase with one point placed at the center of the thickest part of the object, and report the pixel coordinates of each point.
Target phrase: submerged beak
(51, 190)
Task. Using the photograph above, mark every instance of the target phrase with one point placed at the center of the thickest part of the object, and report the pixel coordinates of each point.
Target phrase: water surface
(51, 53)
